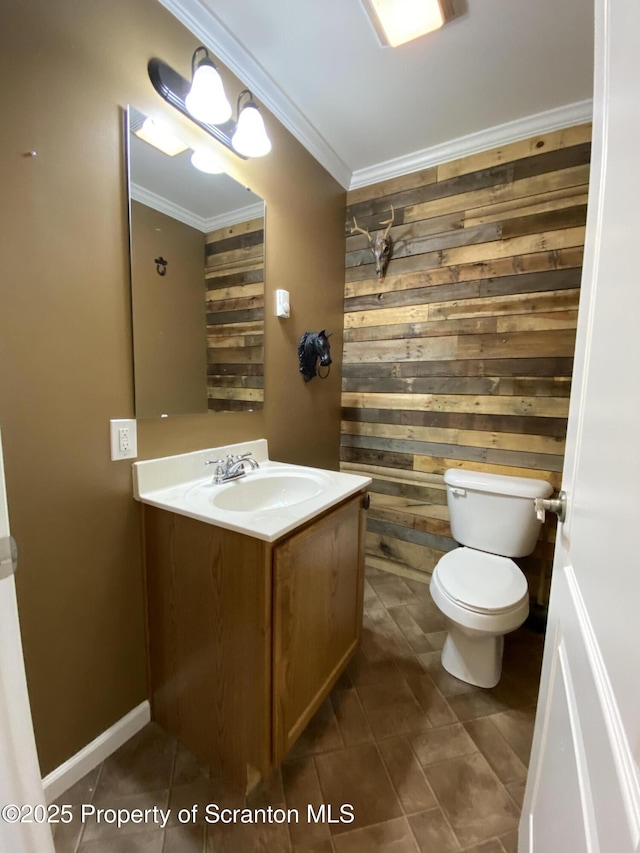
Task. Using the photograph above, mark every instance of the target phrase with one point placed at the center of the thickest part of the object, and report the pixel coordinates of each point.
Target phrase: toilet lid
(480, 581)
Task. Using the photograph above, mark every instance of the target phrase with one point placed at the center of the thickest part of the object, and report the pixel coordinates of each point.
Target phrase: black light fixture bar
(174, 89)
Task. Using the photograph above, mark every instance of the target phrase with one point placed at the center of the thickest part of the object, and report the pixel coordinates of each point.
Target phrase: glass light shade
(250, 137)
(158, 135)
(206, 100)
(206, 161)
(404, 20)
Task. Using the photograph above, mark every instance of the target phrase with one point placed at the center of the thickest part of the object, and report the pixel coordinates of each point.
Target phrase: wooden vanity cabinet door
(317, 617)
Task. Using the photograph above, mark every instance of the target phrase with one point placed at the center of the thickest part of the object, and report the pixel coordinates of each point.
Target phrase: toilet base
(475, 659)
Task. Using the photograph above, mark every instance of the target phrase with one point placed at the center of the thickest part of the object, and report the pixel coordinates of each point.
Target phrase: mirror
(197, 284)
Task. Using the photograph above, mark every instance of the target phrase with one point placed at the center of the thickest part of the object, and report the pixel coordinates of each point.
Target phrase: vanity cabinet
(246, 637)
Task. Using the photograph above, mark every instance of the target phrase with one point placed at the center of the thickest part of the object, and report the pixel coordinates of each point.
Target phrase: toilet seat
(481, 582)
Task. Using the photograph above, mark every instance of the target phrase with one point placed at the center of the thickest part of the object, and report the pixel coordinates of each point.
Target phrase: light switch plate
(124, 439)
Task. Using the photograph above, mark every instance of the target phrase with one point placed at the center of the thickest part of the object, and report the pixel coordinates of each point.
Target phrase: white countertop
(184, 484)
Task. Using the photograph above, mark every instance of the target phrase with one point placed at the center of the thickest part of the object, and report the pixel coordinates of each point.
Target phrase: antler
(357, 230)
(388, 223)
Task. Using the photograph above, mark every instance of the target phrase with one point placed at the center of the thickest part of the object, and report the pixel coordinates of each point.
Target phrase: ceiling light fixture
(156, 134)
(399, 21)
(205, 103)
(205, 160)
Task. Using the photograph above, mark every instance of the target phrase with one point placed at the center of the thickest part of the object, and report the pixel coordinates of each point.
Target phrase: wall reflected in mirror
(197, 284)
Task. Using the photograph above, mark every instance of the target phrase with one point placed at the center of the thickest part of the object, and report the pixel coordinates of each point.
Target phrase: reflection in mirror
(197, 284)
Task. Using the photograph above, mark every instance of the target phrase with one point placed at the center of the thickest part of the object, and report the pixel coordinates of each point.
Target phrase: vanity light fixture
(206, 99)
(205, 160)
(247, 136)
(156, 134)
(399, 21)
(250, 137)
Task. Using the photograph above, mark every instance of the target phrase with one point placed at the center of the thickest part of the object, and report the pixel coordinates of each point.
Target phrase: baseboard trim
(74, 768)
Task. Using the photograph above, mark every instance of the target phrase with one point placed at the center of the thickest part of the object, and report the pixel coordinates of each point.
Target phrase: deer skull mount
(381, 245)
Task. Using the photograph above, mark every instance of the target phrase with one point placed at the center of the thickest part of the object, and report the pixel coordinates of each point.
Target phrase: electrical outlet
(124, 441)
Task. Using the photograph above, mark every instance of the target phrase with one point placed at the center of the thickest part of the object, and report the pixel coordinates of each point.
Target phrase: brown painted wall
(462, 356)
(65, 341)
(169, 317)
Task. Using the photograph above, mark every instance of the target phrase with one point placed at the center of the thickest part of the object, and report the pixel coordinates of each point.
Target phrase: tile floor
(429, 764)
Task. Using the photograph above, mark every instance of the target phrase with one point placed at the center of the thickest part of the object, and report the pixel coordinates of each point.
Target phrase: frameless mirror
(197, 284)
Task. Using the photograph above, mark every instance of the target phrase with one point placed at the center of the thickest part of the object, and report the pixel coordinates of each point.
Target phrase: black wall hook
(161, 265)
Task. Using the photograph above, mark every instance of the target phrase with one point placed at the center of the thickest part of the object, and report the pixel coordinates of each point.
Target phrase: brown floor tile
(199, 794)
(427, 616)
(431, 662)
(474, 801)
(188, 767)
(248, 838)
(433, 832)
(446, 683)
(429, 763)
(503, 760)
(437, 639)
(432, 702)
(363, 671)
(406, 774)
(149, 841)
(420, 588)
(357, 776)
(382, 639)
(66, 835)
(100, 825)
(392, 590)
(143, 763)
(325, 846)
(371, 600)
(509, 841)
(474, 704)
(516, 791)
(392, 835)
(351, 718)
(413, 633)
(322, 733)
(184, 839)
(301, 790)
(516, 727)
(491, 846)
(442, 744)
(392, 712)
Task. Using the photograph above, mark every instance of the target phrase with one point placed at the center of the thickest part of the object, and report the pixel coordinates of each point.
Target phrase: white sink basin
(259, 491)
(267, 503)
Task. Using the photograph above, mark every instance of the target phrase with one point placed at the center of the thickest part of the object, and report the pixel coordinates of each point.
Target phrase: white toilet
(482, 592)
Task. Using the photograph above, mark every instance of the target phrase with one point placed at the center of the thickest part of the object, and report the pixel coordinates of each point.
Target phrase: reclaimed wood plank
(567, 137)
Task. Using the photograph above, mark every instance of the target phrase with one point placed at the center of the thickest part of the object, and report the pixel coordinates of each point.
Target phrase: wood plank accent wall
(462, 355)
(234, 272)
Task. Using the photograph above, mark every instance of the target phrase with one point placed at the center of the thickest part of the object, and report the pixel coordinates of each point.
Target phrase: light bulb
(250, 137)
(206, 100)
(206, 161)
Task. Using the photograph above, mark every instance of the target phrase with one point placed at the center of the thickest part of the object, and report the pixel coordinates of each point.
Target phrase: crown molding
(205, 24)
(163, 205)
(222, 220)
(235, 217)
(474, 143)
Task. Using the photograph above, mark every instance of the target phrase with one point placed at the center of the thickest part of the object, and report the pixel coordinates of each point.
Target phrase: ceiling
(499, 71)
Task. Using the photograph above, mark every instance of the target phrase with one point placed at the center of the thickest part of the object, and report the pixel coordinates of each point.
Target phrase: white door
(23, 827)
(583, 791)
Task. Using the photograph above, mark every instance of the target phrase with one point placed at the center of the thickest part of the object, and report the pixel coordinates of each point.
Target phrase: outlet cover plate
(117, 452)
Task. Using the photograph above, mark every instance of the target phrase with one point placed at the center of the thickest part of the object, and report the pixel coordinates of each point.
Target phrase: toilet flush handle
(557, 505)
(460, 493)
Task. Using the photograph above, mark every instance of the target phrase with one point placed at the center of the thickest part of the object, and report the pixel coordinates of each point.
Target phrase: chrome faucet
(232, 468)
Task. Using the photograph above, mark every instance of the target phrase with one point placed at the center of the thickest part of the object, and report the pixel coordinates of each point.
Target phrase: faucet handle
(218, 474)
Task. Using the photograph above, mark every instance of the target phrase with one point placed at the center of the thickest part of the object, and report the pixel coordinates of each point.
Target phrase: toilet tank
(493, 512)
